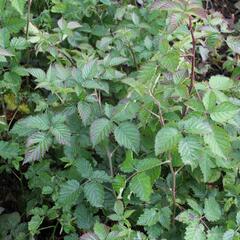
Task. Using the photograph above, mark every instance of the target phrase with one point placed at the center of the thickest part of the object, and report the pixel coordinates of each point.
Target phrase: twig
(28, 17)
(193, 59)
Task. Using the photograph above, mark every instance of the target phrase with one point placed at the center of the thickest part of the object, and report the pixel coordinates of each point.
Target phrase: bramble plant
(120, 120)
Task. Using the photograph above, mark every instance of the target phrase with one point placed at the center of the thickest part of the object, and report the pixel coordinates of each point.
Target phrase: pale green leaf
(219, 82)
(224, 112)
(195, 231)
(218, 141)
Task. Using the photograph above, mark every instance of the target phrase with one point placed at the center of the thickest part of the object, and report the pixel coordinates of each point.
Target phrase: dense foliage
(120, 120)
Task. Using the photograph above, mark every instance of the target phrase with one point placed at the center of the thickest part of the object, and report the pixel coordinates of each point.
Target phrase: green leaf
(34, 224)
(148, 218)
(62, 133)
(166, 139)
(229, 235)
(224, 112)
(94, 193)
(218, 141)
(5, 53)
(128, 136)
(84, 217)
(234, 43)
(165, 217)
(89, 69)
(19, 5)
(89, 236)
(99, 130)
(195, 231)
(209, 100)
(220, 82)
(212, 209)
(100, 230)
(195, 125)
(119, 208)
(37, 145)
(190, 149)
(147, 164)
(94, 84)
(141, 186)
(101, 176)
(84, 110)
(215, 233)
(19, 43)
(69, 193)
(9, 150)
(84, 168)
(205, 164)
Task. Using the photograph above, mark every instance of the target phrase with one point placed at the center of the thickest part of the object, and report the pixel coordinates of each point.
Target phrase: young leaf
(166, 139)
(128, 136)
(141, 186)
(224, 112)
(220, 82)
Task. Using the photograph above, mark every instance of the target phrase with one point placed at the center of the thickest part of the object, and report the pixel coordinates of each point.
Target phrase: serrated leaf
(224, 112)
(215, 233)
(148, 218)
(220, 82)
(84, 168)
(5, 53)
(205, 164)
(212, 209)
(88, 70)
(209, 100)
(115, 61)
(94, 193)
(19, 43)
(9, 150)
(37, 73)
(141, 186)
(95, 84)
(37, 145)
(19, 5)
(128, 136)
(165, 217)
(84, 217)
(190, 149)
(99, 130)
(234, 43)
(69, 193)
(196, 125)
(195, 231)
(166, 139)
(101, 176)
(147, 164)
(218, 141)
(229, 235)
(34, 224)
(84, 110)
(62, 133)
(89, 236)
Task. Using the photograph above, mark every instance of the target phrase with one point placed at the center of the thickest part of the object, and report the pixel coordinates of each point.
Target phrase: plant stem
(193, 62)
